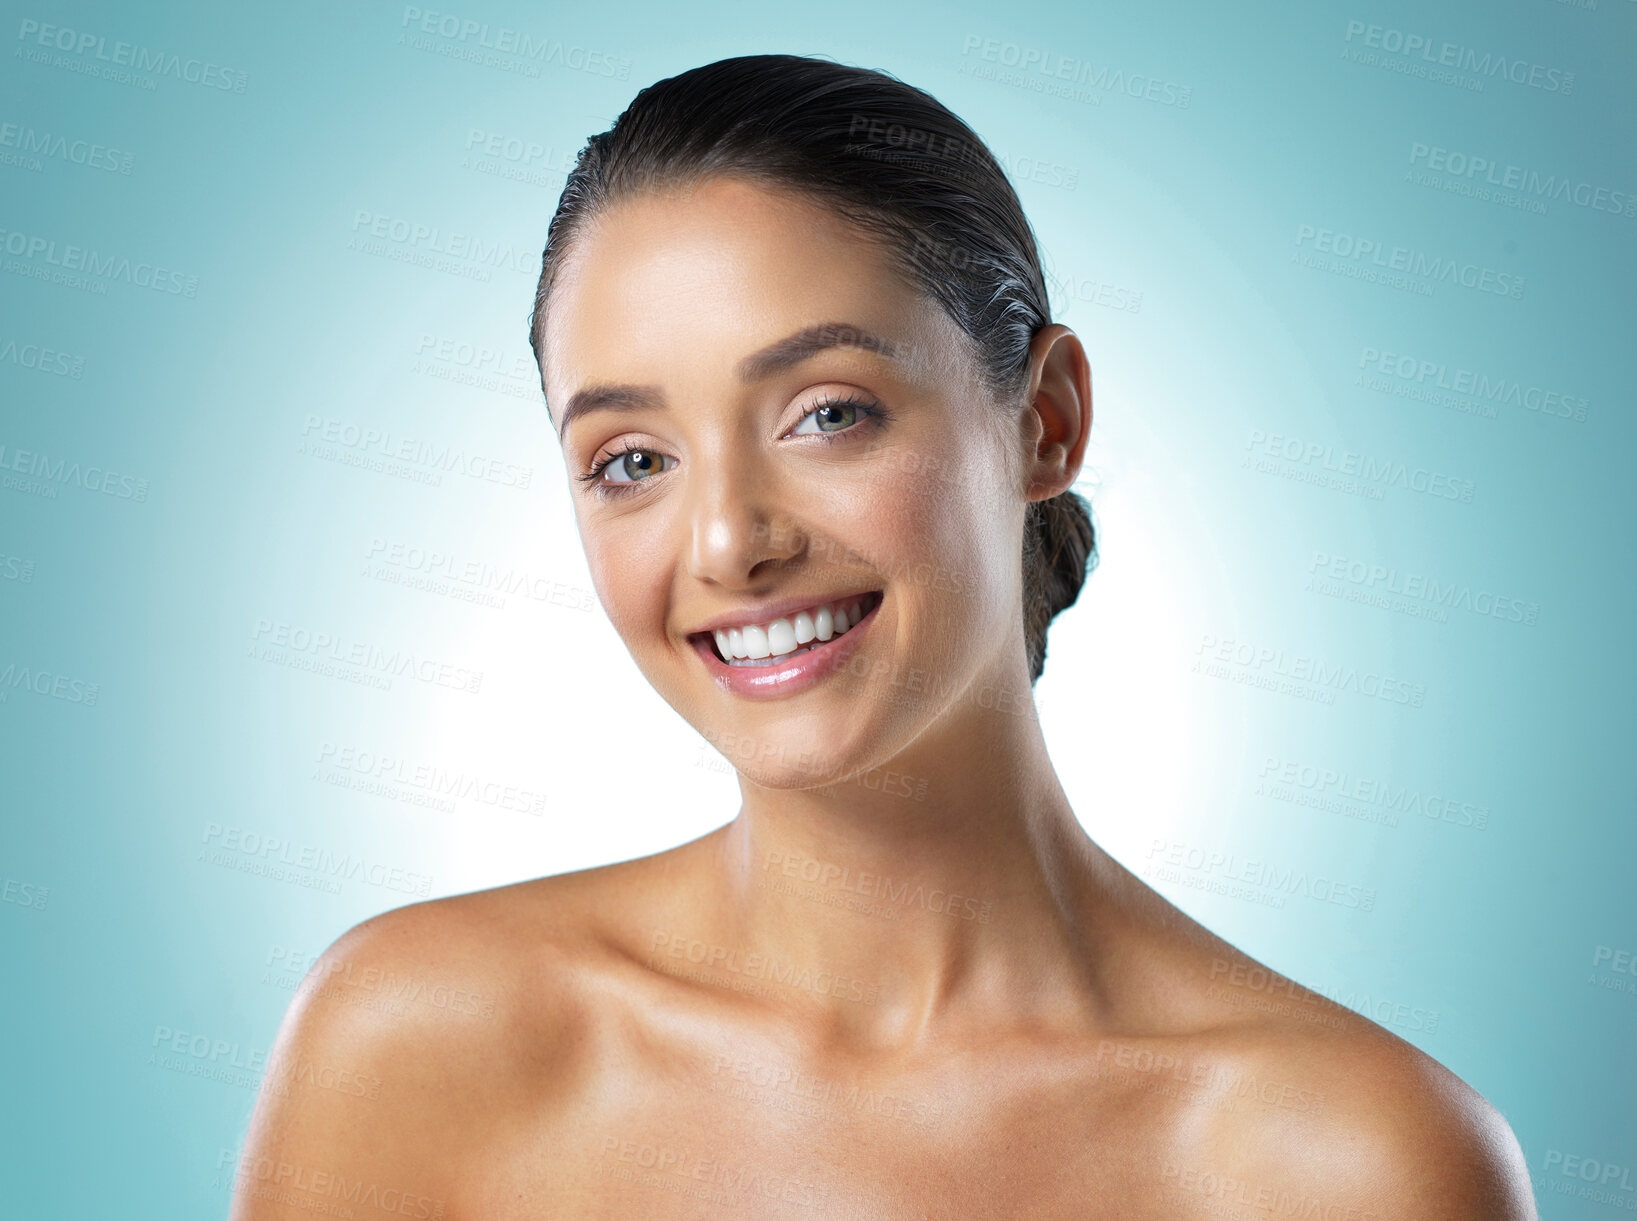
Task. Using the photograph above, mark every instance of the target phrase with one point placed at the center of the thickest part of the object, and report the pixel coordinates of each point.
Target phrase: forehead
(664, 285)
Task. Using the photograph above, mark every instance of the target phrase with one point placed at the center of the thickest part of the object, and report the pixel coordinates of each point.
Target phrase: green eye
(833, 415)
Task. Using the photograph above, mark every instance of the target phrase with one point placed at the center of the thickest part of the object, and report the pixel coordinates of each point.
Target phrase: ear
(1057, 418)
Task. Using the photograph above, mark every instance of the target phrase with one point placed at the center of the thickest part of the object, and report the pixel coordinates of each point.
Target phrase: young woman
(794, 335)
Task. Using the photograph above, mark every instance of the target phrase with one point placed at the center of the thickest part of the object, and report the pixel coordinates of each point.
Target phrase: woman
(793, 332)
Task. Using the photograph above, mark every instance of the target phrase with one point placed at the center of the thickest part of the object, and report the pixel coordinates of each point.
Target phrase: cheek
(627, 571)
(945, 540)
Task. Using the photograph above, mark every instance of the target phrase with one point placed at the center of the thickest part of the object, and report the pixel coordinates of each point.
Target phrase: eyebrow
(758, 366)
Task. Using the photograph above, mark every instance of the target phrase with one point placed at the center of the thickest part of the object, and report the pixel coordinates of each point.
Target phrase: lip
(799, 673)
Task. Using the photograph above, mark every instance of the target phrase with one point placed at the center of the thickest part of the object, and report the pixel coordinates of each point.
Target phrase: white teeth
(759, 641)
(781, 637)
(806, 633)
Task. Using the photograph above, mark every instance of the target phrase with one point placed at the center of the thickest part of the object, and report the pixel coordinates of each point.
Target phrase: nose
(739, 525)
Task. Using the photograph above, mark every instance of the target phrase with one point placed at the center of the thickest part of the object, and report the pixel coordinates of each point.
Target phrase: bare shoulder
(419, 1034)
(1333, 1111)
(1300, 1104)
(1390, 1132)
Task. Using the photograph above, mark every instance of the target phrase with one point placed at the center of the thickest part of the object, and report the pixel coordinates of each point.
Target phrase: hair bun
(1059, 552)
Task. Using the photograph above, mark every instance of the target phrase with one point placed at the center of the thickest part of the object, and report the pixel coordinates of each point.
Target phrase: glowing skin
(860, 998)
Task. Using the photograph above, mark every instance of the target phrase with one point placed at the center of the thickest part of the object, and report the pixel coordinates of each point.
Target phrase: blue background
(352, 200)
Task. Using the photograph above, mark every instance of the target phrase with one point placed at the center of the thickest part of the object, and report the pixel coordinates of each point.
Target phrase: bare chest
(785, 1146)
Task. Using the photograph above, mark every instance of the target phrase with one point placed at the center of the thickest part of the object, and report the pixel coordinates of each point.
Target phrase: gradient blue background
(1174, 237)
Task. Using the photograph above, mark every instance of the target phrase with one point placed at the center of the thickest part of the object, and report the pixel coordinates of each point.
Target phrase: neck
(951, 884)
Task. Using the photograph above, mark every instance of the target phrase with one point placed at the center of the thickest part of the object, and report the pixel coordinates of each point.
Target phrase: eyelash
(871, 411)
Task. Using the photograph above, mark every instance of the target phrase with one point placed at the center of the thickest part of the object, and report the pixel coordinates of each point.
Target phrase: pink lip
(799, 673)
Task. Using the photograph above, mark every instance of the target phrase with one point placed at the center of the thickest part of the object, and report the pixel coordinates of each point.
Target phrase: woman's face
(765, 480)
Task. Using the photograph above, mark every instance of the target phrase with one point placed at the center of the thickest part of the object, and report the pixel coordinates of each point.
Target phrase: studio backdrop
(295, 625)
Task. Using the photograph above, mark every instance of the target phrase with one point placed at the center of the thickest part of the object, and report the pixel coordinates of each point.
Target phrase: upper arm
(341, 1117)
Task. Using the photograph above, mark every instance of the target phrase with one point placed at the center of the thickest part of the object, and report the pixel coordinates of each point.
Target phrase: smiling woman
(821, 432)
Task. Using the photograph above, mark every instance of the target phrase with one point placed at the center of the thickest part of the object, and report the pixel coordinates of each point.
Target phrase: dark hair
(892, 160)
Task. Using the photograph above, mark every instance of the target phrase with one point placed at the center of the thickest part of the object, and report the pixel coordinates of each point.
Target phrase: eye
(636, 464)
(834, 418)
(633, 462)
(836, 415)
